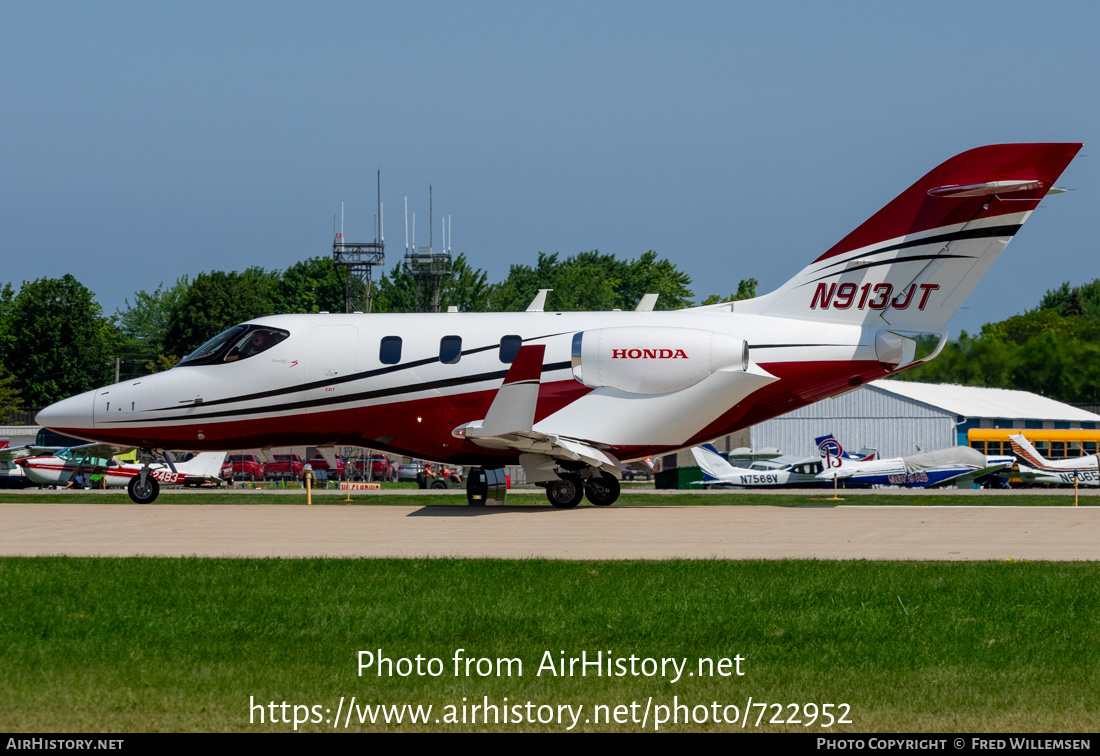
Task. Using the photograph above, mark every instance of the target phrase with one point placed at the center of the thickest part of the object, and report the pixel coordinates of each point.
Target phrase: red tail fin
(911, 264)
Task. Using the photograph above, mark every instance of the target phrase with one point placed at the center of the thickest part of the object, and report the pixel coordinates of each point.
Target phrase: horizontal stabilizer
(204, 465)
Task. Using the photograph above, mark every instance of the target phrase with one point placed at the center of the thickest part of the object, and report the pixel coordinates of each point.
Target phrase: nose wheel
(143, 491)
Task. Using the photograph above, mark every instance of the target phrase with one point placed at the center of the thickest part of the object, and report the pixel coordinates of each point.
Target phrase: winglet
(513, 408)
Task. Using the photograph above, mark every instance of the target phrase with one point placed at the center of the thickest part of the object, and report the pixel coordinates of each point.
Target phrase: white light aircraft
(571, 396)
(785, 471)
(957, 465)
(1035, 468)
(96, 459)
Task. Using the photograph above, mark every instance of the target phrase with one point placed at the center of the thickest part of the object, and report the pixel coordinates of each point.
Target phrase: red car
(320, 463)
(381, 468)
(244, 467)
(285, 467)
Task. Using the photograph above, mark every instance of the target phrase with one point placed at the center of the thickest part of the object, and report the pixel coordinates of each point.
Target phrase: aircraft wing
(86, 450)
(970, 475)
(17, 452)
(556, 447)
(508, 424)
(1029, 474)
(98, 450)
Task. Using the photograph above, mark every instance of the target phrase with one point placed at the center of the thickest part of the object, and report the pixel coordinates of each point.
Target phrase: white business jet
(572, 396)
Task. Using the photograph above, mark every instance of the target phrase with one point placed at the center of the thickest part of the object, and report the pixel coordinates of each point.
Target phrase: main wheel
(566, 492)
(439, 484)
(146, 494)
(603, 490)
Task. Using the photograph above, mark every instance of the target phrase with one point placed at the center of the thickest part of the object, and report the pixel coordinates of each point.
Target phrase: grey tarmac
(985, 532)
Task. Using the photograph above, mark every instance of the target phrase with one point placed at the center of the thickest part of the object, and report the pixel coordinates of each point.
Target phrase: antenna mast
(357, 260)
(427, 267)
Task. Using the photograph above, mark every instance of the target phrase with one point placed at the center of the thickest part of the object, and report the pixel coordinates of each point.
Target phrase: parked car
(285, 467)
(244, 467)
(381, 468)
(411, 471)
(320, 464)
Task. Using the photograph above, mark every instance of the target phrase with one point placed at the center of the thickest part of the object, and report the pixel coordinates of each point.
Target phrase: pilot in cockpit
(258, 341)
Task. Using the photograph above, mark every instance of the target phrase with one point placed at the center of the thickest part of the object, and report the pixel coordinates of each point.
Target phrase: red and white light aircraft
(96, 459)
(571, 395)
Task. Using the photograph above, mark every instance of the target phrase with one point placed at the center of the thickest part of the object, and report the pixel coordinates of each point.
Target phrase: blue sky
(145, 141)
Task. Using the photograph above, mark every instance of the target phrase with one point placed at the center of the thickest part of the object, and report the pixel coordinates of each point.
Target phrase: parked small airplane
(11, 475)
(1035, 468)
(572, 396)
(952, 466)
(65, 466)
(787, 471)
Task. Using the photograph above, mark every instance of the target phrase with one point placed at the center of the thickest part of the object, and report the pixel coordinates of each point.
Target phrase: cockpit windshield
(238, 343)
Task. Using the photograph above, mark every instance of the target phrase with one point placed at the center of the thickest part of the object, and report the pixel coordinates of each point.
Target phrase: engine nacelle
(642, 360)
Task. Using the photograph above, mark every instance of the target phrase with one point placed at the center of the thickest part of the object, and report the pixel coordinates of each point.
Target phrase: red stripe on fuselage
(418, 428)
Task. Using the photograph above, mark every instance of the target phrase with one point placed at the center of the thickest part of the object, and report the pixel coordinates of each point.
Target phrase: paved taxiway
(30, 528)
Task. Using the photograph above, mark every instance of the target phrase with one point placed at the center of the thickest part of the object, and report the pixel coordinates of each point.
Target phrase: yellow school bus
(1051, 443)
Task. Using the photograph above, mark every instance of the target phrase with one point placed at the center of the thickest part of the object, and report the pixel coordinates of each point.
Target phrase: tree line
(56, 341)
(1052, 350)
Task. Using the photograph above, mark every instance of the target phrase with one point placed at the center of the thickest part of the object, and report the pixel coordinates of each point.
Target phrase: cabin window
(389, 353)
(450, 349)
(509, 348)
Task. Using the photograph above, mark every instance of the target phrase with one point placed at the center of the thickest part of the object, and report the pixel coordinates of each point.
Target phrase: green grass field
(180, 645)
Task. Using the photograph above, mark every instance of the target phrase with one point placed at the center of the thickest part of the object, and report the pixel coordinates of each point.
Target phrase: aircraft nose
(69, 415)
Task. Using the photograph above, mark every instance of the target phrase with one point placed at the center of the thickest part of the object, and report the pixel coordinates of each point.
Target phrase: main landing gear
(601, 488)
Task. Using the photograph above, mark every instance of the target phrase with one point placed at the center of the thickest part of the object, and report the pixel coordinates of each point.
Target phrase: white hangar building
(896, 417)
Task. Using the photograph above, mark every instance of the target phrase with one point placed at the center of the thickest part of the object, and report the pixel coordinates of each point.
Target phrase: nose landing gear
(143, 488)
